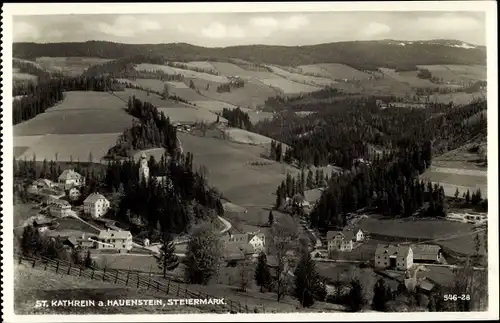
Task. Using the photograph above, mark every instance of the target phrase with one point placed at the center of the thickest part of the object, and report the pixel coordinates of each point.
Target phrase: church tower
(143, 169)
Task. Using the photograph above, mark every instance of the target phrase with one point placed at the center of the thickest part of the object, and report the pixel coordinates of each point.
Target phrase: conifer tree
(307, 281)
(167, 260)
(262, 274)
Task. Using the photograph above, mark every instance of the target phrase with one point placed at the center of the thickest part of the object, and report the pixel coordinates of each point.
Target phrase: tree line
(237, 118)
(365, 55)
(153, 130)
(37, 98)
(233, 84)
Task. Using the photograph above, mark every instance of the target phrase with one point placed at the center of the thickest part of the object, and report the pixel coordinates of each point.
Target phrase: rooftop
(108, 234)
(68, 174)
(392, 250)
(94, 197)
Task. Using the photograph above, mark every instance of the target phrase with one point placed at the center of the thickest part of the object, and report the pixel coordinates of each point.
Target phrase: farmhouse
(426, 253)
(69, 178)
(252, 242)
(43, 183)
(59, 208)
(82, 241)
(343, 241)
(398, 257)
(114, 240)
(95, 205)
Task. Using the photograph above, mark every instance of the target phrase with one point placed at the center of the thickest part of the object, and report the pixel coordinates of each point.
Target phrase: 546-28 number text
(455, 297)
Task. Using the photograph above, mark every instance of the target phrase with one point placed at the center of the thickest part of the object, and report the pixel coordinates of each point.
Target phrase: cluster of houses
(344, 240)
(68, 184)
(106, 240)
(403, 257)
(240, 246)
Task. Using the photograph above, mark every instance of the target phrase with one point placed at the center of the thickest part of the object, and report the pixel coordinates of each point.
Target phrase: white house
(114, 240)
(59, 208)
(254, 242)
(398, 257)
(69, 178)
(340, 241)
(96, 205)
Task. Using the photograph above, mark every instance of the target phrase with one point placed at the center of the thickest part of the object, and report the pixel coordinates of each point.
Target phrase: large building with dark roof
(399, 257)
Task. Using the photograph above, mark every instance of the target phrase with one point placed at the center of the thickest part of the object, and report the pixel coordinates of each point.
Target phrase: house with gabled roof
(59, 208)
(95, 205)
(114, 240)
(427, 253)
(343, 240)
(390, 256)
(254, 242)
(69, 178)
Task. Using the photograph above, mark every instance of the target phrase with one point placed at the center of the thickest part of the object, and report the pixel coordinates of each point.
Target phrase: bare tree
(283, 243)
(244, 274)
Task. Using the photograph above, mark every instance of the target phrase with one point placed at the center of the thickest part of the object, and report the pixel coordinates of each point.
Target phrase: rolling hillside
(364, 55)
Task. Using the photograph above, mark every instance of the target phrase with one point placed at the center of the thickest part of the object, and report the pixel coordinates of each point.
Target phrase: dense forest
(237, 118)
(363, 55)
(153, 130)
(354, 127)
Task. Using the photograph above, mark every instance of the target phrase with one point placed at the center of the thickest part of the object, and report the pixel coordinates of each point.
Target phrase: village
(397, 262)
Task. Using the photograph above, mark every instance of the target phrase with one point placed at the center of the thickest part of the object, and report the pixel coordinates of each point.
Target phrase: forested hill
(365, 55)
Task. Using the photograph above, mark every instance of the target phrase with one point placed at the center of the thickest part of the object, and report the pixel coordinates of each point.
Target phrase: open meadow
(152, 98)
(69, 147)
(237, 170)
(183, 72)
(213, 105)
(252, 95)
(71, 66)
(300, 78)
(408, 77)
(289, 87)
(75, 121)
(457, 73)
(190, 115)
(205, 65)
(455, 236)
(335, 71)
(89, 100)
(458, 98)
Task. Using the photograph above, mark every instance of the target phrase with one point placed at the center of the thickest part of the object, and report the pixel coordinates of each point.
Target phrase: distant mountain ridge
(364, 55)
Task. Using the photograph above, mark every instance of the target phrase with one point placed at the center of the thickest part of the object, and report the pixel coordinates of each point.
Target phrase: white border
(489, 7)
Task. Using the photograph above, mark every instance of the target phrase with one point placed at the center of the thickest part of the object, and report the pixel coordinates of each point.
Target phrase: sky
(270, 28)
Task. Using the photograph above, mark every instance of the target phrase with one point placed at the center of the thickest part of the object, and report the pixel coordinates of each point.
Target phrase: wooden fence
(129, 278)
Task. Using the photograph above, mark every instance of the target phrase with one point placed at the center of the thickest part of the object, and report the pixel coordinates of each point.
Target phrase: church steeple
(144, 169)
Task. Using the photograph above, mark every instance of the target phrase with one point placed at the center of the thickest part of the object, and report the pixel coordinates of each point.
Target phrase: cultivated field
(89, 100)
(410, 78)
(457, 73)
(230, 169)
(152, 98)
(198, 64)
(252, 95)
(75, 122)
(456, 236)
(228, 69)
(212, 105)
(69, 147)
(244, 70)
(185, 73)
(72, 66)
(247, 137)
(300, 78)
(335, 71)
(289, 87)
(458, 98)
(190, 115)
